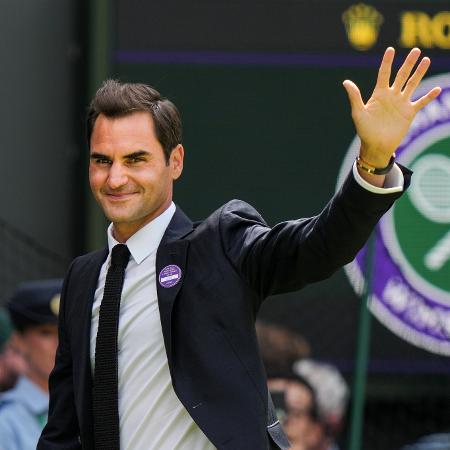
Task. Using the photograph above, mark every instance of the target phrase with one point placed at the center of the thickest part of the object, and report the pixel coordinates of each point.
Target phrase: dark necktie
(105, 395)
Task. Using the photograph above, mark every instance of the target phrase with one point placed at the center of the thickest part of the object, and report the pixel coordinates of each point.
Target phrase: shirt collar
(147, 239)
(29, 394)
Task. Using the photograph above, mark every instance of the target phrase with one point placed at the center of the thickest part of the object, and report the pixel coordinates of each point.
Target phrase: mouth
(118, 196)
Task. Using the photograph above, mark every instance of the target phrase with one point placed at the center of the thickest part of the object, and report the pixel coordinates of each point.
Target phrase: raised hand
(384, 120)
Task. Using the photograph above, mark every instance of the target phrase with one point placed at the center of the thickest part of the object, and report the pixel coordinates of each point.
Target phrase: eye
(102, 161)
(45, 333)
(136, 159)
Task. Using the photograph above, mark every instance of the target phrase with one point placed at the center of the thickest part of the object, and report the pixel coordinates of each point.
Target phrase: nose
(117, 176)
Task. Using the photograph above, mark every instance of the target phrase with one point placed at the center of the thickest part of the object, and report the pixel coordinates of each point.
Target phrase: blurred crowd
(310, 397)
(28, 342)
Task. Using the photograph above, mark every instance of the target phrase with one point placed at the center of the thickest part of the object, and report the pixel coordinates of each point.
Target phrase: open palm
(384, 120)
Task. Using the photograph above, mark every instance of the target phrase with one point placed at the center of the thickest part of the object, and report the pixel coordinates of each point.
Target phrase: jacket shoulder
(92, 258)
(239, 209)
(233, 210)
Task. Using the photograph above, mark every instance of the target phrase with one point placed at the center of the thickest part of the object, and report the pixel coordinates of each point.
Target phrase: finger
(354, 95)
(406, 69)
(423, 101)
(416, 78)
(384, 72)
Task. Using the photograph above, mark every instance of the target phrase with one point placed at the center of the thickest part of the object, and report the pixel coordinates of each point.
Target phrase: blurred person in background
(33, 310)
(332, 395)
(296, 407)
(280, 347)
(438, 441)
(12, 363)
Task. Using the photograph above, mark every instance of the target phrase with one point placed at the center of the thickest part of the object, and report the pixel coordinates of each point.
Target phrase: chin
(123, 218)
(119, 219)
(118, 214)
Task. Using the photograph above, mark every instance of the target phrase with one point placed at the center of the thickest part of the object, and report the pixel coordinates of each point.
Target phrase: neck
(122, 231)
(41, 382)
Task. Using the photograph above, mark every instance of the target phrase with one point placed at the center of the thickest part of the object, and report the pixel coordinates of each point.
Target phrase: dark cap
(35, 303)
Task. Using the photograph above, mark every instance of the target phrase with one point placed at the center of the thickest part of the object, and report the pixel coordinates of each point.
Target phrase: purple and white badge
(169, 276)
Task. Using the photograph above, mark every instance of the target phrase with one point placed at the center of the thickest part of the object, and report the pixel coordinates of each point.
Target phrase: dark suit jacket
(230, 263)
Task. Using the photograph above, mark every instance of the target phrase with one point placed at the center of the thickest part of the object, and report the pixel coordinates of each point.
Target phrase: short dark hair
(116, 99)
(313, 411)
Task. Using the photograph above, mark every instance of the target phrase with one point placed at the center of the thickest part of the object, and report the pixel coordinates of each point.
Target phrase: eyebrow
(136, 154)
(96, 155)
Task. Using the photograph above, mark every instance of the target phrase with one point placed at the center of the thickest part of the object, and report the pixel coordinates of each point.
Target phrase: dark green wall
(272, 136)
(275, 137)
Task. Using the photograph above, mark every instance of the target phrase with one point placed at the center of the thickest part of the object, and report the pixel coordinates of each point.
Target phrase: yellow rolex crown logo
(362, 24)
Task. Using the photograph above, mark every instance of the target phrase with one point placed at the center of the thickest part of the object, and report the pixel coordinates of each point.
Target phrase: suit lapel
(88, 277)
(171, 252)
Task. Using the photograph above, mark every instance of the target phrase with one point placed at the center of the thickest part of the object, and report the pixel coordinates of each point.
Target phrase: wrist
(376, 155)
(370, 168)
(374, 180)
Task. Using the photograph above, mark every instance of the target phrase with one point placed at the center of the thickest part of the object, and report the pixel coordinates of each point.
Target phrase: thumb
(354, 95)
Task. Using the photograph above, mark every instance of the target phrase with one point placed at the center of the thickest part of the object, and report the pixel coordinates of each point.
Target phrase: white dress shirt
(393, 181)
(151, 415)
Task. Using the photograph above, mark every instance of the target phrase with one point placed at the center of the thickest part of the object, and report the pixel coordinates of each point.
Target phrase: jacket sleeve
(293, 253)
(62, 429)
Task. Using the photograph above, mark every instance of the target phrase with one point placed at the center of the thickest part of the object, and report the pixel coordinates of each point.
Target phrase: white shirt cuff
(392, 183)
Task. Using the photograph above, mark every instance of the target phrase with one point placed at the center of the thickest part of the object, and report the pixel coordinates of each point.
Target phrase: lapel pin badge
(169, 276)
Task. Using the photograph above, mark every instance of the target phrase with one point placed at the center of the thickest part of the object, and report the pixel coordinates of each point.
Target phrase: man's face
(301, 428)
(38, 347)
(128, 173)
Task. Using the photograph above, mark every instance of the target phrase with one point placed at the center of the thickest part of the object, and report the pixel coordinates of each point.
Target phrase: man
(23, 409)
(186, 372)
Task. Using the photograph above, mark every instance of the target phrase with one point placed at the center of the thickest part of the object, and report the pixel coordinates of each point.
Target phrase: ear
(176, 161)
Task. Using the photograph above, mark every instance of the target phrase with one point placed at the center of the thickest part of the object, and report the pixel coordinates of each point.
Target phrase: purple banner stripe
(255, 58)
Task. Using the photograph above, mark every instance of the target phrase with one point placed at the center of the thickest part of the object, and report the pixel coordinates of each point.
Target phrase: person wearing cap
(33, 310)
